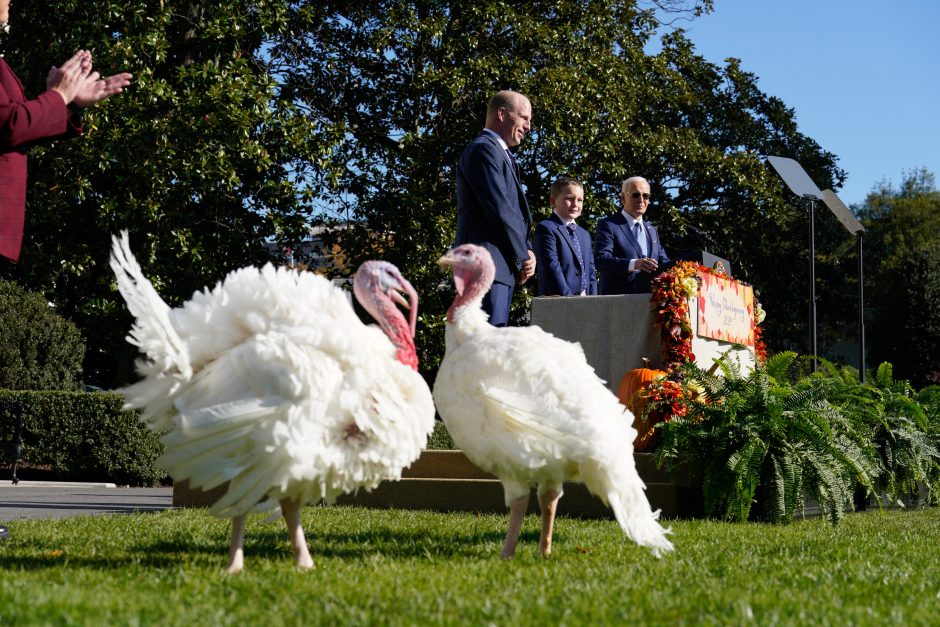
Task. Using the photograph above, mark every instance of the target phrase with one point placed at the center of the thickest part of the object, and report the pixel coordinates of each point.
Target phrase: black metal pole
(14, 409)
(861, 312)
(812, 278)
(17, 444)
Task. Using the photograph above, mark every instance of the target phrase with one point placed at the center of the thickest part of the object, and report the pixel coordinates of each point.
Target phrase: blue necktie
(640, 234)
(572, 231)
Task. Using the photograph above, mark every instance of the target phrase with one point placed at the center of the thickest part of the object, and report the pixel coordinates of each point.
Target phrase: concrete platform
(448, 481)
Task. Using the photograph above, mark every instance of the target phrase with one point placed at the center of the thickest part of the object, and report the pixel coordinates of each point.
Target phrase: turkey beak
(448, 262)
(411, 304)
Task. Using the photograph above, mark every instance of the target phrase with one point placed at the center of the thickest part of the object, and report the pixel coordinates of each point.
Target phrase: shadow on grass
(269, 543)
(55, 560)
(272, 542)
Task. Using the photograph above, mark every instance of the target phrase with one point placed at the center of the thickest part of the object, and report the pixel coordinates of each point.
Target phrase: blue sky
(862, 75)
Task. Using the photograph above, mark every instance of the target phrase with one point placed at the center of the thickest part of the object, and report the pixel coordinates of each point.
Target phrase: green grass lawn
(406, 567)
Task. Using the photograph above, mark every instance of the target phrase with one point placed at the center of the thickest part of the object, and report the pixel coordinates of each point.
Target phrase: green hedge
(88, 437)
(440, 439)
(83, 437)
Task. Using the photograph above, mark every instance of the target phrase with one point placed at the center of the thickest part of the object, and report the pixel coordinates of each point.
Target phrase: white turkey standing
(526, 407)
(270, 382)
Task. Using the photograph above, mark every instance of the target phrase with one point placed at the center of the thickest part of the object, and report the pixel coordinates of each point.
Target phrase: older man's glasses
(637, 195)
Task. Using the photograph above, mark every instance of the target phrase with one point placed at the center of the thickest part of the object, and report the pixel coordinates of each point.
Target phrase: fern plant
(755, 438)
(929, 400)
(899, 427)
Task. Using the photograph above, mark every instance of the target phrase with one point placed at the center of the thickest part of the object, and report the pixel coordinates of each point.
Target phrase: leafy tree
(39, 349)
(194, 159)
(252, 121)
(406, 84)
(903, 253)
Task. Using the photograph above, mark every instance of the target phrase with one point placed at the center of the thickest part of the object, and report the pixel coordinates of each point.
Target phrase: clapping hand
(96, 89)
(70, 77)
(76, 82)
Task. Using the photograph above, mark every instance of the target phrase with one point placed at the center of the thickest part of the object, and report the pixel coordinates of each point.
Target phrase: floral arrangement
(760, 348)
(671, 291)
(665, 400)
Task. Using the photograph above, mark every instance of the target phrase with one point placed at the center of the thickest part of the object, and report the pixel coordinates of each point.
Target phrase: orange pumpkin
(632, 392)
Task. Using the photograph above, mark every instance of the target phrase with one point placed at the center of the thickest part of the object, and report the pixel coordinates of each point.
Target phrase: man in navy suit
(562, 248)
(491, 207)
(627, 251)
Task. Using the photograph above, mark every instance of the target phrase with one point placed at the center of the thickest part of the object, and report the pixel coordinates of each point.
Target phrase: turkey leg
(516, 512)
(548, 504)
(291, 511)
(236, 551)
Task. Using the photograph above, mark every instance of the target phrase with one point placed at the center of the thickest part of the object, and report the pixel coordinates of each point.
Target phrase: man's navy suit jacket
(23, 123)
(556, 262)
(614, 247)
(491, 207)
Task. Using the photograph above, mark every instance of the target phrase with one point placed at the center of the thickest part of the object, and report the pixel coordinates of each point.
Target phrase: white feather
(526, 407)
(270, 382)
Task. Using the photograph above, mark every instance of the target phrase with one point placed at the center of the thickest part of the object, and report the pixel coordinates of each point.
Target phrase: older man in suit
(24, 123)
(492, 210)
(562, 248)
(627, 251)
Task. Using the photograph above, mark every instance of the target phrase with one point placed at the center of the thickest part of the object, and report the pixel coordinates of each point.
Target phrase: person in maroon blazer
(25, 122)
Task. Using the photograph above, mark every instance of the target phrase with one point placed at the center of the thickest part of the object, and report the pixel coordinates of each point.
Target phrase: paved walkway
(57, 499)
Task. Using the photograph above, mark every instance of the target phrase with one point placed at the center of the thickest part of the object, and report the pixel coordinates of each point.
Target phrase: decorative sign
(726, 310)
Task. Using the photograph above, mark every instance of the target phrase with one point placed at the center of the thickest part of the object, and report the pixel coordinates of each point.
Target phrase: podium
(615, 332)
(643, 282)
(705, 258)
(618, 332)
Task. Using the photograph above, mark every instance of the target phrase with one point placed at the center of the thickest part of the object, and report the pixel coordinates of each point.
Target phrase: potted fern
(902, 430)
(757, 440)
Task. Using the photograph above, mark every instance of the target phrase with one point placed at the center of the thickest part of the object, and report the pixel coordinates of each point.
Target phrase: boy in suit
(562, 248)
(627, 251)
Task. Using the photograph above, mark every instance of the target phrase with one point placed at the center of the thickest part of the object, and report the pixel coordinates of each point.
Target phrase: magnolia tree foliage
(194, 159)
(250, 121)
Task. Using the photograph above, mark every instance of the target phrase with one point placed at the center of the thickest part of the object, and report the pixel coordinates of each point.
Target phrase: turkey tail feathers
(621, 488)
(640, 523)
(153, 331)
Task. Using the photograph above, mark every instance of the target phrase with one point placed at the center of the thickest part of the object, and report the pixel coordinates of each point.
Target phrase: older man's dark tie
(576, 245)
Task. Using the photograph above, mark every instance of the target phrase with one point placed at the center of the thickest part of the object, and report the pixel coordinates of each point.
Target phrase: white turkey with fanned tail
(270, 382)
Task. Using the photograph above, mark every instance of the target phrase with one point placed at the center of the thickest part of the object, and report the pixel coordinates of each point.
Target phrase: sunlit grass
(406, 567)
